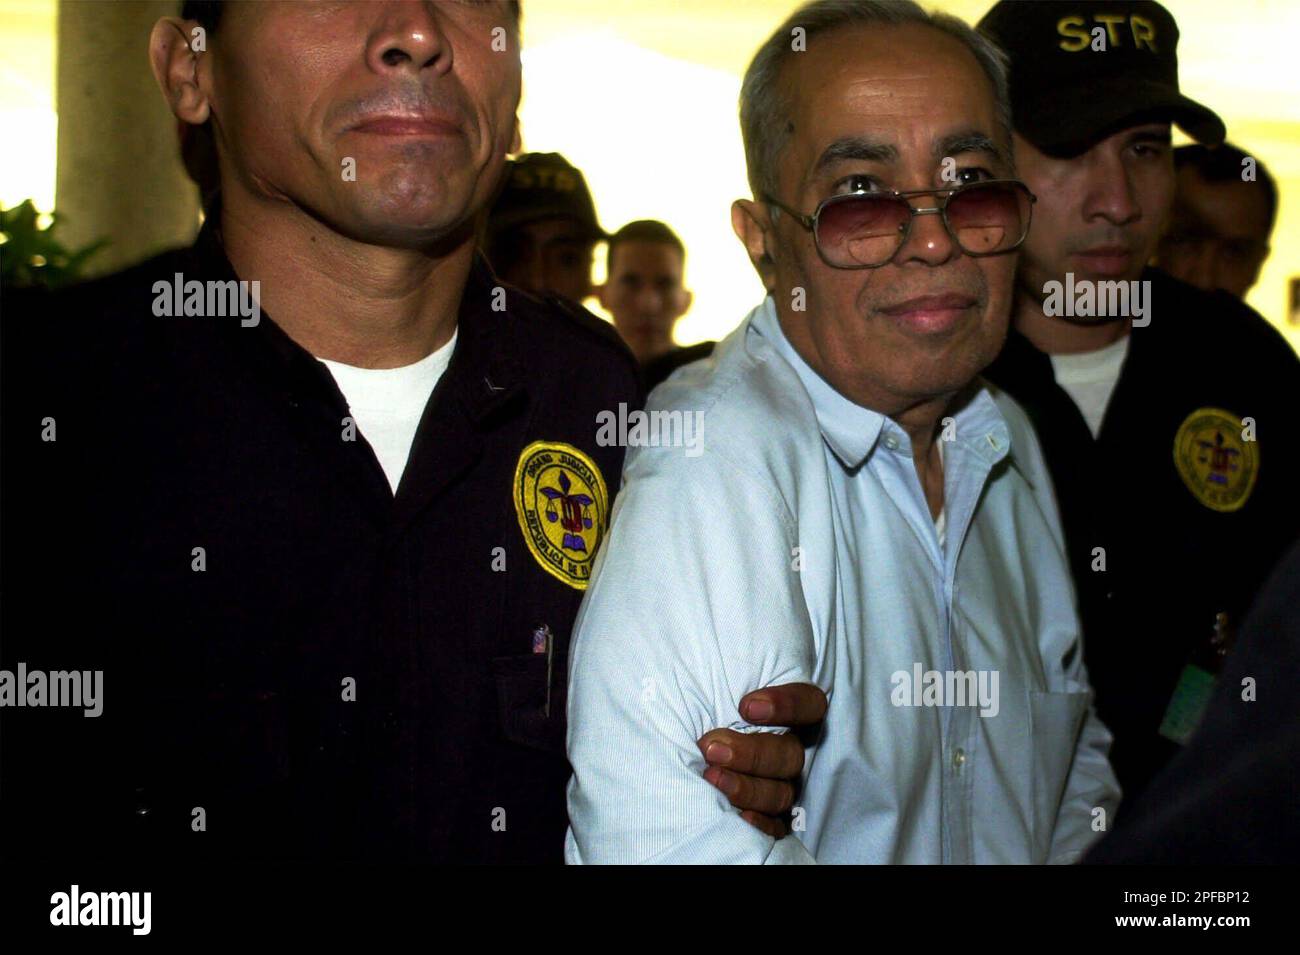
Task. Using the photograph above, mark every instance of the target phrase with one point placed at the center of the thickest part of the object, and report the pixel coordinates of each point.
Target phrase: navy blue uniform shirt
(327, 670)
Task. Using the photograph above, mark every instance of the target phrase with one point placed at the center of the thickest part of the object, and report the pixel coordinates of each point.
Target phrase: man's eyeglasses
(865, 230)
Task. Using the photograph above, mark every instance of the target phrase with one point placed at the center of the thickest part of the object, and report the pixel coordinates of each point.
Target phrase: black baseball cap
(543, 186)
(1066, 95)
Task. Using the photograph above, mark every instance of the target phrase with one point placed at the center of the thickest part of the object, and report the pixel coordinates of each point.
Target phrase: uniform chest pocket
(527, 713)
(1056, 720)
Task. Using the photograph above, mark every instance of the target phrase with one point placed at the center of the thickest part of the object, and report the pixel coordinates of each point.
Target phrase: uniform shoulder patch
(563, 506)
(1216, 463)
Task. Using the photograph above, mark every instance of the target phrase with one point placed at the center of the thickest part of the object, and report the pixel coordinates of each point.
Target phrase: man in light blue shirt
(863, 512)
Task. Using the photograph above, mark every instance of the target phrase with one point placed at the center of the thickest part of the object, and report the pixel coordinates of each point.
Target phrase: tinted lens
(988, 218)
(856, 231)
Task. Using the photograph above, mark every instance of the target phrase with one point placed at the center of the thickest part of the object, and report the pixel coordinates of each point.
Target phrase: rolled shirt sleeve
(695, 601)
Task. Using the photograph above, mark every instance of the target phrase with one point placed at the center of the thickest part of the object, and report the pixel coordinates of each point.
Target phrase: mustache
(1118, 240)
(398, 100)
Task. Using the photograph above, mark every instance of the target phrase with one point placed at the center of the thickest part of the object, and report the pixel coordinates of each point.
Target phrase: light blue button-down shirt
(796, 546)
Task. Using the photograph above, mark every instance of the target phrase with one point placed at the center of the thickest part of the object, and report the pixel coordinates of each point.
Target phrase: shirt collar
(979, 426)
(849, 429)
(853, 432)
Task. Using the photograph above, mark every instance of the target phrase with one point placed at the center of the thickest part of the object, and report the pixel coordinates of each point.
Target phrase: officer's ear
(177, 67)
(753, 226)
(516, 140)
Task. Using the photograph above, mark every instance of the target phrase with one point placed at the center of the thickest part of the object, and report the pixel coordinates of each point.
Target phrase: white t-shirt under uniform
(387, 404)
(1089, 379)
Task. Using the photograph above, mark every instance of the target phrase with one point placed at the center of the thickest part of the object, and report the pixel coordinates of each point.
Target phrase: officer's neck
(1061, 336)
(365, 305)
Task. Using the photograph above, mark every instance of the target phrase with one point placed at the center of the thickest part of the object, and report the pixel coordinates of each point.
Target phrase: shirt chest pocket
(530, 699)
(1056, 720)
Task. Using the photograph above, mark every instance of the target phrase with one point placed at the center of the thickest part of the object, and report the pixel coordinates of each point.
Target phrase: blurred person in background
(645, 294)
(542, 229)
(1225, 204)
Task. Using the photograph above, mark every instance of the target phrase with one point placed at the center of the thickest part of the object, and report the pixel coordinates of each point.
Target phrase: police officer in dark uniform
(300, 660)
(287, 631)
(1168, 424)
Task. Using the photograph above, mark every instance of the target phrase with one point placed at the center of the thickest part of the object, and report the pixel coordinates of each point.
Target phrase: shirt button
(891, 443)
(958, 758)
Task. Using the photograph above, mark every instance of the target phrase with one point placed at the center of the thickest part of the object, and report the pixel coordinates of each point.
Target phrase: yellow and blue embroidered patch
(562, 504)
(1216, 463)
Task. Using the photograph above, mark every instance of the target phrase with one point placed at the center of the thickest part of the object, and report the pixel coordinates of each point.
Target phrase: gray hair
(763, 105)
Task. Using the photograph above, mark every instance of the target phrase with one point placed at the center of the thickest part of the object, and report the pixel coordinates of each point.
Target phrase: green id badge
(1187, 705)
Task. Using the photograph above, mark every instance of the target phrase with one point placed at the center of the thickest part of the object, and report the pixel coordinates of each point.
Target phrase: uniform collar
(854, 432)
(486, 367)
(485, 371)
